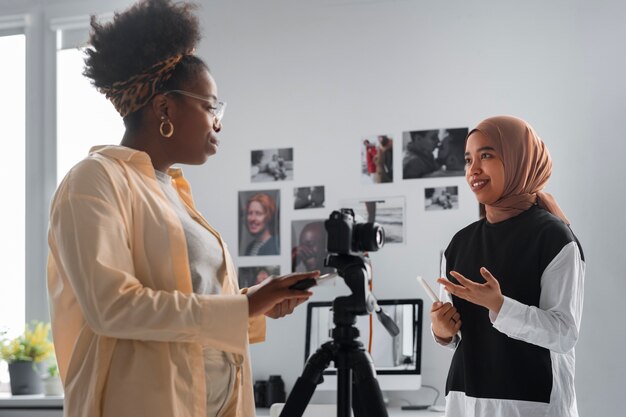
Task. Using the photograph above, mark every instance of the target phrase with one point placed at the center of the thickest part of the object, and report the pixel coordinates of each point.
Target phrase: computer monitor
(397, 359)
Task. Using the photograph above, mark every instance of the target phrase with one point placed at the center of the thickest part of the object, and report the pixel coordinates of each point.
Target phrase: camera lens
(368, 237)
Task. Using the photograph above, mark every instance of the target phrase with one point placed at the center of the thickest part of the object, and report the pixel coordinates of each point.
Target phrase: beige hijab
(527, 168)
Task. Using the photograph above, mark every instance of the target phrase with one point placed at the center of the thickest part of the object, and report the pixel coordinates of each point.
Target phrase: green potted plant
(26, 355)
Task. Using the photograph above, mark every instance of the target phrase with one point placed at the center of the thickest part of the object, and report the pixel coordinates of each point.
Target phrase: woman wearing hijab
(514, 289)
(147, 316)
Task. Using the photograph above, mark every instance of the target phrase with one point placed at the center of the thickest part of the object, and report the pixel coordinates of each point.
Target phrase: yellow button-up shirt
(127, 327)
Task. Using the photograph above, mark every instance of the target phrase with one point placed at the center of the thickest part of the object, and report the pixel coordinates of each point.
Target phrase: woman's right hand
(446, 321)
(274, 291)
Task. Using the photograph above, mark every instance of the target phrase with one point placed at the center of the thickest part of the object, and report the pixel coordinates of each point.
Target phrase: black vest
(487, 363)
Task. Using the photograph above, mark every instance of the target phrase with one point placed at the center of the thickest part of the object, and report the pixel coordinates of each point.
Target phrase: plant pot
(26, 378)
(52, 386)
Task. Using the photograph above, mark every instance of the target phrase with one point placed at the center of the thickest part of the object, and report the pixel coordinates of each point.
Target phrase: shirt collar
(139, 158)
(122, 153)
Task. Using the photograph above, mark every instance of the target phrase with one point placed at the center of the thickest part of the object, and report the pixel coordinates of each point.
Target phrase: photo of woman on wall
(259, 223)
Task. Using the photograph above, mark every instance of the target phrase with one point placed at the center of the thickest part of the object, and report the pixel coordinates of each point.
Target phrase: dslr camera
(347, 236)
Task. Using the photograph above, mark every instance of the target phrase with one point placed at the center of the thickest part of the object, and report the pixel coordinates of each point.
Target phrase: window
(85, 118)
(12, 211)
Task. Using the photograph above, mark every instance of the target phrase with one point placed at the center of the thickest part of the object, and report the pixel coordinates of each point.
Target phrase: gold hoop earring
(170, 129)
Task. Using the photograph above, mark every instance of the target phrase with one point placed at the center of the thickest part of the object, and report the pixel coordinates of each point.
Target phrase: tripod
(357, 387)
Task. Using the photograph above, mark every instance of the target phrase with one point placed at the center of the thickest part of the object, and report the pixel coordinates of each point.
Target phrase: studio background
(319, 75)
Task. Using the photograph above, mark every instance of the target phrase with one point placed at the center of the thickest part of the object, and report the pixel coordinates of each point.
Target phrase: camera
(347, 236)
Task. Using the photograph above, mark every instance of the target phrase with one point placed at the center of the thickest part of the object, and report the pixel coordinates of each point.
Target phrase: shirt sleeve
(256, 326)
(91, 247)
(444, 297)
(555, 324)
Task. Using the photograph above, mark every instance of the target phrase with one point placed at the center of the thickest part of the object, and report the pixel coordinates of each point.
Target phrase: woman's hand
(446, 321)
(487, 295)
(273, 297)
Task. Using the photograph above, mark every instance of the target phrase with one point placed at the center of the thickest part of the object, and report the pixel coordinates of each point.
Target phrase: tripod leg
(305, 385)
(344, 384)
(367, 400)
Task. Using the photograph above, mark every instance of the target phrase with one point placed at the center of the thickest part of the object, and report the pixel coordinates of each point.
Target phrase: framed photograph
(377, 159)
(388, 212)
(252, 275)
(441, 198)
(433, 153)
(308, 197)
(308, 246)
(259, 222)
(271, 165)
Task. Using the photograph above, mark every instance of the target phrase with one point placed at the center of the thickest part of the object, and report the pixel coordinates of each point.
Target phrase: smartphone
(306, 283)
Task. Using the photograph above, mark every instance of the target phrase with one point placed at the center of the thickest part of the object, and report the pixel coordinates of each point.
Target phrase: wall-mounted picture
(433, 153)
(308, 197)
(271, 165)
(388, 212)
(259, 222)
(441, 198)
(308, 246)
(252, 275)
(377, 159)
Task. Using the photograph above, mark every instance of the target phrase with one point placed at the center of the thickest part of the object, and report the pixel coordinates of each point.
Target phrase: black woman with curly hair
(147, 315)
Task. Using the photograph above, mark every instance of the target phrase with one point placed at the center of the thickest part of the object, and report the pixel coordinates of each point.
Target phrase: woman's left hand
(487, 295)
(274, 296)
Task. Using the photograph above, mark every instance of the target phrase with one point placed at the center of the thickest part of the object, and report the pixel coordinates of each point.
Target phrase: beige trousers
(221, 387)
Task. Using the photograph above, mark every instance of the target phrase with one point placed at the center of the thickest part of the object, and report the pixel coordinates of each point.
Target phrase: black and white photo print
(441, 198)
(388, 212)
(433, 153)
(252, 275)
(268, 165)
(308, 197)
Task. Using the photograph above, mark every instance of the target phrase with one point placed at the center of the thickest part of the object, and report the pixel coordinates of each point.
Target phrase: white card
(427, 288)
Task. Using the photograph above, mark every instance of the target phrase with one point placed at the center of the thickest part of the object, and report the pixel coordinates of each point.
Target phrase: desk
(41, 406)
(331, 411)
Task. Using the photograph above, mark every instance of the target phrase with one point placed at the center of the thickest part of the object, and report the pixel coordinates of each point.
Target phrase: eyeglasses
(217, 108)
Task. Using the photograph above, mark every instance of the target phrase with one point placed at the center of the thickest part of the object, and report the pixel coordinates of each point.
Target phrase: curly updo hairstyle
(147, 33)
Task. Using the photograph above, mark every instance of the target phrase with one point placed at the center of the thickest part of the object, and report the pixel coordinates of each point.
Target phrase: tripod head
(356, 274)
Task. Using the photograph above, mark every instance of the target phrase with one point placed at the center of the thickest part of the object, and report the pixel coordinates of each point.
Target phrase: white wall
(319, 74)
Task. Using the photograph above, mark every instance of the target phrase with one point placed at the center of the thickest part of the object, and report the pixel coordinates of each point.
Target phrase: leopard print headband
(131, 95)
